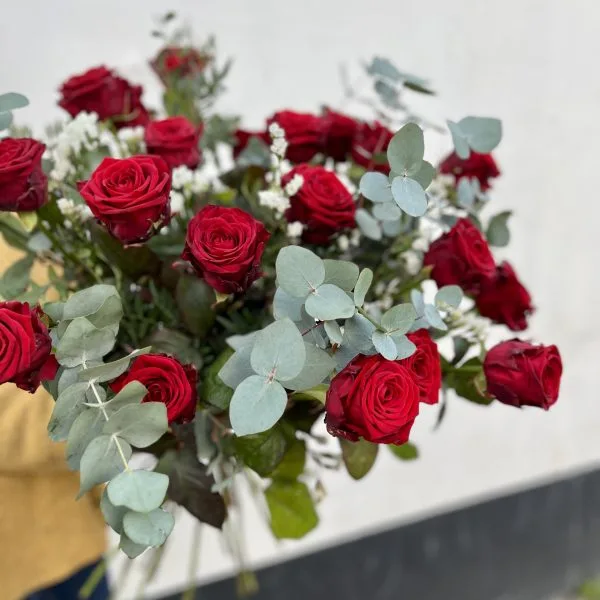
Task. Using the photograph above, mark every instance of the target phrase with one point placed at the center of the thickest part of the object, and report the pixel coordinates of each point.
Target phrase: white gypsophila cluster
(440, 184)
(341, 170)
(274, 200)
(294, 230)
(73, 211)
(131, 134)
(177, 200)
(293, 186)
(197, 181)
(278, 141)
(81, 133)
(344, 242)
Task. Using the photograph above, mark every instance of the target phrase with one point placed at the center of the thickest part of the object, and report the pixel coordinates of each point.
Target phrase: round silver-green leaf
(375, 187)
(142, 491)
(406, 149)
(299, 271)
(329, 302)
(409, 196)
(148, 529)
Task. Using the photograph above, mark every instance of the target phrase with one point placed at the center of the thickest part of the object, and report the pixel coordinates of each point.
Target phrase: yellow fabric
(45, 535)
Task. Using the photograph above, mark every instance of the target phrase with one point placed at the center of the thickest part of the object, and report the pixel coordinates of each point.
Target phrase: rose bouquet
(214, 293)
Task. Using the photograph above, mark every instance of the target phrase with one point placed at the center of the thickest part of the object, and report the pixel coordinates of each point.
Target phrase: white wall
(530, 62)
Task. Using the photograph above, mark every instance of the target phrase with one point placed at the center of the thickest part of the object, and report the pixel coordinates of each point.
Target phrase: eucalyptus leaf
(368, 226)
(459, 139)
(388, 94)
(385, 345)
(399, 319)
(102, 460)
(148, 529)
(257, 404)
(358, 332)
(483, 134)
(329, 302)
(286, 306)
(110, 371)
(317, 366)
(238, 367)
(409, 196)
(6, 120)
(404, 347)
(87, 426)
(130, 548)
(424, 176)
(113, 515)
(450, 295)
(362, 286)
(16, 278)
(406, 149)
(416, 297)
(342, 273)
(139, 424)
(82, 342)
(359, 457)
(387, 211)
(90, 301)
(375, 187)
(132, 394)
(299, 271)
(433, 317)
(142, 491)
(11, 101)
(497, 232)
(69, 404)
(391, 228)
(292, 509)
(333, 331)
(465, 193)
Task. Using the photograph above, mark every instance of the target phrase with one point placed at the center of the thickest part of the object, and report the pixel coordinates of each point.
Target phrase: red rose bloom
(23, 184)
(303, 133)
(339, 132)
(322, 203)
(481, 166)
(100, 91)
(371, 140)
(243, 137)
(175, 62)
(130, 196)
(224, 246)
(521, 374)
(167, 381)
(425, 365)
(372, 398)
(504, 299)
(175, 140)
(461, 257)
(25, 347)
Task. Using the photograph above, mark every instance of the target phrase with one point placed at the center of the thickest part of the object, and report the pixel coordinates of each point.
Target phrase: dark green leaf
(195, 300)
(214, 390)
(262, 452)
(406, 451)
(292, 465)
(359, 457)
(16, 278)
(292, 509)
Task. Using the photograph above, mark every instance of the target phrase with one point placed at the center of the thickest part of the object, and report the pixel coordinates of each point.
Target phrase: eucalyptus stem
(366, 315)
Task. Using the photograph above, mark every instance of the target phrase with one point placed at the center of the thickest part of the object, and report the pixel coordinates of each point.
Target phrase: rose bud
(25, 347)
(23, 184)
(460, 257)
(371, 141)
(322, 203)
(130, 196)
(175, 62)
(425, 366)
(100, 91)
(175, 140)
(522, 374)
(482, 167)
(167, 381)
(372, 398)
(504, 299)
(303, 133)
(339, 132)
(225, 246)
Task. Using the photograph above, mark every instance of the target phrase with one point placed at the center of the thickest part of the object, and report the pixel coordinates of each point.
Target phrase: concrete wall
(530, 62)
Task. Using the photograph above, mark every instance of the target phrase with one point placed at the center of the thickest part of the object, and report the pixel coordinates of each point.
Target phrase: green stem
(91, 583)
(365, 314)
(189, 593)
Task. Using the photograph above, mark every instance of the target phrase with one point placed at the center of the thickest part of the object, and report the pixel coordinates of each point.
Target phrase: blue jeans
(69, 588)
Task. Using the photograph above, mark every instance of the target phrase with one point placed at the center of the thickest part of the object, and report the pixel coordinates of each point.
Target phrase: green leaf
(341, 273)
(433, 317)
(387, 211)
(101, 461)
(483, 134)
(294, 460)
(110, 371)
(461, 347)
(409, 196)
(69, 404)
(195, 300)
(376, 187)
(257, 404)
(286, 306)
(362, 286)
(132, 394)
(292, 510)
(399, 319)
(424, 176)
(317, 366)
(497, 233)
(358, 332)
(130, 548)
(450, 295)
(333, 331)
(11, 101)
(238, 367)
(113, 515)
(148, 529)
(299, 271)
(317, 393)
(368, 226)
(140, 424)
(142, 491)
(262, 452)
(329, 302)
(177, 344)
(54, 310)
(385, 345)
(406, 451)
(82, 342)
(468, 381)
(278, 351)
(87, 426)
(214, 390)
(359, 457)
(461, 146)
(406, 149)
(16, 278)
(404, 347)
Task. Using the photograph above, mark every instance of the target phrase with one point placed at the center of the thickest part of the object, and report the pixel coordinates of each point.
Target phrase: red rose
(521, 374)
(372, 398)
(243, 137)
(25, 347)
(176, 140)
(370, 141)
(23, 185)
(174, 62)
(425, 366)
(303, 133)
(100, 91)
(461, 256)
(130, 196)
(481, 166)
(224, 246)
(322, 203)
(339, 132)
(504, 299)
(167, 381)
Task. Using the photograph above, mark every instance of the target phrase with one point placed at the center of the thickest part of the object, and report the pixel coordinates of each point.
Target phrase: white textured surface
(529, 62)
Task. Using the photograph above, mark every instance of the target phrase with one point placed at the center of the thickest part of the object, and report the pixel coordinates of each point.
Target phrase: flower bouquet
(214, 294)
